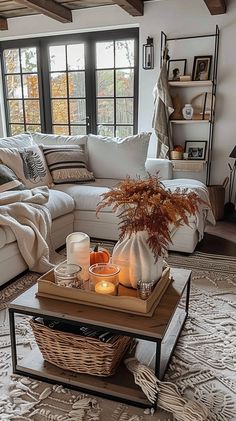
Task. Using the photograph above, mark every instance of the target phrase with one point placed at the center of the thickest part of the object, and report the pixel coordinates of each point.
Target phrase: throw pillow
(28, 164)
(117, 158)
(18, 141)
(67, 164)
(53, 139)
(8, 180)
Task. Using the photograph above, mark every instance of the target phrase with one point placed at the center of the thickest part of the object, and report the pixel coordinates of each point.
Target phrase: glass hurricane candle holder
(104, 278)
(78, 251)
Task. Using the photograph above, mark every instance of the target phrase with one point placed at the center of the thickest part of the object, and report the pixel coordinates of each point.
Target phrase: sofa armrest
(164, 166)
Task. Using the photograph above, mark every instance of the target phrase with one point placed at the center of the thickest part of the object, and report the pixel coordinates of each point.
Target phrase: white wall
(175, 18)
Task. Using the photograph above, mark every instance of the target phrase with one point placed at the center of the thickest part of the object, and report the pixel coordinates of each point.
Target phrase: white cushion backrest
(17, 141)
(117, 158)
(54, 139)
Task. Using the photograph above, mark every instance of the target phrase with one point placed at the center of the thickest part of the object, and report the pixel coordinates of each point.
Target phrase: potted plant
(148, 213)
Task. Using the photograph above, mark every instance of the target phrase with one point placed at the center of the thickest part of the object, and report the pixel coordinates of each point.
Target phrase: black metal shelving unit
(164, 43)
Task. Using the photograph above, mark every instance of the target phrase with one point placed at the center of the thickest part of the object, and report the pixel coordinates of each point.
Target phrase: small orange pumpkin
(99, 255)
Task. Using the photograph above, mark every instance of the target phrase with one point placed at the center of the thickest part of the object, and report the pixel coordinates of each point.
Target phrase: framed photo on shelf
(201, 67)
(196, 149)
(176, 68)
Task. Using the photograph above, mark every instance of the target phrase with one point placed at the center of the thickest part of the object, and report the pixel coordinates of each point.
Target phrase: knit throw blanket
(25, 214)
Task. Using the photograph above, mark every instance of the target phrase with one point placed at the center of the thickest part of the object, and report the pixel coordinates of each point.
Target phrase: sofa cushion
(67, 163)
(54, 139)
(59, 203)
(28, 164)
(8, 180)
(86, 197)
(18, 141)
(117, 158)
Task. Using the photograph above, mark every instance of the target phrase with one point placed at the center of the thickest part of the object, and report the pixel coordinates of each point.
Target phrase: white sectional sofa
(73, 208)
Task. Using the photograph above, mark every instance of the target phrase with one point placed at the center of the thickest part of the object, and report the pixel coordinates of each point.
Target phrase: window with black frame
(21, 81)
(72, 85)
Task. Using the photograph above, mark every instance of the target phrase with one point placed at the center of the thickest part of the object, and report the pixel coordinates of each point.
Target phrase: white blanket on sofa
(204, 213)
(24, 212)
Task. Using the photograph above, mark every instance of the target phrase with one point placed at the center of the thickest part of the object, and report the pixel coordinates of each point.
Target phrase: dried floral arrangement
(146, 205)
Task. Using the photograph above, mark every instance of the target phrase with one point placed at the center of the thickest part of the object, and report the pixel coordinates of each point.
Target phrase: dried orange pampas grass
(145, 205)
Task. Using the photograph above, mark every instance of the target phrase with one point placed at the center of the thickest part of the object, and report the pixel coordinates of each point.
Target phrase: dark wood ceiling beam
(216, 7)
(133, 7)
(49, 8)
(3, 24)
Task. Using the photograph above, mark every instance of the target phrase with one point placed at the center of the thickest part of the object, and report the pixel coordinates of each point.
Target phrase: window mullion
(22, 90)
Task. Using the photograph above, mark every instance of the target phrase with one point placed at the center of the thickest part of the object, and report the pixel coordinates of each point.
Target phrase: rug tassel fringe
(166, 394)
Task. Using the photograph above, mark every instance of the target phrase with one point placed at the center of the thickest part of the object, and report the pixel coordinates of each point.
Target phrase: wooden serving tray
(126, 300)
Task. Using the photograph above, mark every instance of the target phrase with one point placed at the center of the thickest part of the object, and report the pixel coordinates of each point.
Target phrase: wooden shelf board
(190, 121)
(191, 84)
(120, 385)
(187, 161)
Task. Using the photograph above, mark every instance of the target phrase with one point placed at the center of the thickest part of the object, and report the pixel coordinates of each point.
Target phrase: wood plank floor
(220, 239)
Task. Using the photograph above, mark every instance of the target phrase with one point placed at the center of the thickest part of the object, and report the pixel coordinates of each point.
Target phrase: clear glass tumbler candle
(144, 289)
(68, 275)
(104, 278)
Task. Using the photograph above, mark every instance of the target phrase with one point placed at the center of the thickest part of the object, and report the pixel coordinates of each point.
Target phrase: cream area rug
(203, 365)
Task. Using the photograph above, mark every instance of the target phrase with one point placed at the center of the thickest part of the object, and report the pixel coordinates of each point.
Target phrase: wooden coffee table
(163, 328)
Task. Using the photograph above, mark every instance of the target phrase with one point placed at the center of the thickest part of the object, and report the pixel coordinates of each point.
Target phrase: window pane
(16, 129)
(30, 86)
(28, 60)
(59, 111)
(33, 128)
(77, 110)
(125, 82)
(124, 111)
(75, 57)
(105, 83)
(13, 86)
(78, 130)
(105, 111)
(76, 84)
(105, 130)
(58, 84)
(123, 131)
(57, 57)
(60, 130)
(32, 111)
(15, 111)
(105, 55)
(124, 52)
(12, 61)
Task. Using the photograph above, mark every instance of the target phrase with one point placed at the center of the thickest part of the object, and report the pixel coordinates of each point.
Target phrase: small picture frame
(201, 68)
(196, 149)
(176, 68)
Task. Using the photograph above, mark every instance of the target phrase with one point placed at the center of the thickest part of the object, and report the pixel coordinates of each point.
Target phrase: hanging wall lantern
(148, 54)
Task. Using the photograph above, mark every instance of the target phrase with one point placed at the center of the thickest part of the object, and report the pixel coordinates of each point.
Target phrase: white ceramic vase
(187, 112)
(136, 260)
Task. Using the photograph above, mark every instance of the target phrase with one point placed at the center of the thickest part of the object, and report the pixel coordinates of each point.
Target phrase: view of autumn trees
(114, 88)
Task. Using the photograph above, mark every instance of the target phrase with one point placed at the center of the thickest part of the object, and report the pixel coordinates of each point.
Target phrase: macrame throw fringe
(166, 394)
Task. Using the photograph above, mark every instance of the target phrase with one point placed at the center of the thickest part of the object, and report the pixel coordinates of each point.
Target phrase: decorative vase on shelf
(187, 112)
(136, 260)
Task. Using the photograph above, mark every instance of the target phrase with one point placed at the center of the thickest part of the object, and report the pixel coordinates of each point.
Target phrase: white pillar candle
(78, 252)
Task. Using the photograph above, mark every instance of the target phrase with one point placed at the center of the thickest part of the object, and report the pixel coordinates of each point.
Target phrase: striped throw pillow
(67, 164)
(8, 180)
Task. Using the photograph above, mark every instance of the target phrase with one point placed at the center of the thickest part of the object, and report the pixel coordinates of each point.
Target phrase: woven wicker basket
(77, 353)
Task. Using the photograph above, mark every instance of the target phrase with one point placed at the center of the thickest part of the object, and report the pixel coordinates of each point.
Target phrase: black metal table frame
(15, 370)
